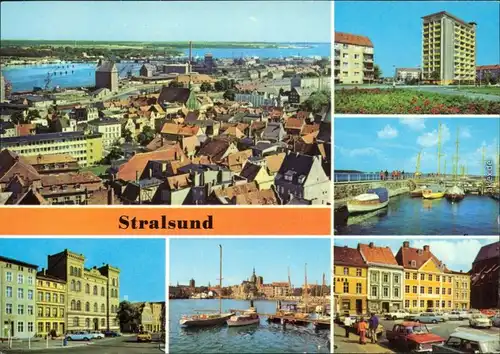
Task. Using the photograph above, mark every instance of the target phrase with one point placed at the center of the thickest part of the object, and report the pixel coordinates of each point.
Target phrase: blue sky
(395, 28)
(456, 254)
(199, 259)
(270, 21)
(393, 143)
(141, 261)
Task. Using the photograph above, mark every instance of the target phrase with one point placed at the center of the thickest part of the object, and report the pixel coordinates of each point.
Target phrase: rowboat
(374, 199)
(433, 192)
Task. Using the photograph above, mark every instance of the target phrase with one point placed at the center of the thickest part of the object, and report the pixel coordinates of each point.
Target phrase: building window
(346, 271)
(30, 280)
(103, 323)
(30, 294)
(76, 322)
(30, 327)
(20, 279)
(396, 279)
(374, 277)
(87, 323)
(20, 293)
(415, 276)
(386, 292)
(374, 291)
(430, 277)
(407, 289)
(407, 275)
(437, 291)
(61, 299)
(72, 286)
(396, 292)
(443, 304)
(413, 264)
(407, 303)
(438, 278)
(429, 290)
(8, 277)
(47, 312)
(95, 290)
(414, 303)
(87, 289)
(40, 327)
(449, 291)
(358, 288)
(47, 297)
(73, 305)
(78, 305)
(62, 312)
(346, 287)
(103, 309)
(20, 327)
(358, 274)
(422, 303)
(103, 292)
(386, 278)
(8, 291)
(54, 298)
(87, 307)
(422, 290)
(8, 309)
(78, 285)
(40, 296)
(422, 276)
(95, 307)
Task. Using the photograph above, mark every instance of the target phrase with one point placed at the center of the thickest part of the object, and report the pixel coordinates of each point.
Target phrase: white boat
(249, 317)
(375, 199)
(205, 320)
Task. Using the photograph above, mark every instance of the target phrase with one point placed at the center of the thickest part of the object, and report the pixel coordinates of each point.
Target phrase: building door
(430, 304)
(96, 324)
(359, 306)
(385, 307)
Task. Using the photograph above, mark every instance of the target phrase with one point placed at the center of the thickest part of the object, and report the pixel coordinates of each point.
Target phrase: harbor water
(25, 77)
(261, 338)
(474, 215)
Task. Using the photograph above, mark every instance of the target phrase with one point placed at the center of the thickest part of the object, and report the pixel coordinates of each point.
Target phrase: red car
(412, 337)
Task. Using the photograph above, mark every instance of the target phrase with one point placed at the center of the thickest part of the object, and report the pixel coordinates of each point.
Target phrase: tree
(175, 84)
(377, 72)
(435, 75)
(17, 118)
(229, 95)
(127, 135)
(145, 137)
(311, 74)
(219, 86)
(32, 115)
(317, 101)
(205, 87)
(128, 314)
(115, 154)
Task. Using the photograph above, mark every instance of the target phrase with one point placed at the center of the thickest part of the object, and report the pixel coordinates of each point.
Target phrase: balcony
(368, 50)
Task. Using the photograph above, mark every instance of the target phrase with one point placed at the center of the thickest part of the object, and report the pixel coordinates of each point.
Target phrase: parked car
(397, 315)
(467, 342)
(496, 320)
(97, 335)
(480, 320)
(412, 337)
(144, 336)
(112, 334)
(429, 317)
(86, 336)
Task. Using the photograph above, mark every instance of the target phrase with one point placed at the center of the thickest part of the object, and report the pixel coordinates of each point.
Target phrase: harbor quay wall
(345, 191)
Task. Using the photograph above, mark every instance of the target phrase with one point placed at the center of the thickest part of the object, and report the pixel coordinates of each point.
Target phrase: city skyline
(236, 21)
(270, 257)
(403, 28)
(457, 254)
(136, 284)
(393, 144)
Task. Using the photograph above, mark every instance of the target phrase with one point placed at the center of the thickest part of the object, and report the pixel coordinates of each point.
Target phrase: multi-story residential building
(315, 82)
(92, 297)
(448, 49)
(487, 73)
(461, 290)
(350, 279)
(85, 148)
(158, 311)
(51, 306)
(405, 74)
(109, 128)
(281, 289)
(428, 283)
(385, 278)
(17, 298)
(485, 278)
(353, 59)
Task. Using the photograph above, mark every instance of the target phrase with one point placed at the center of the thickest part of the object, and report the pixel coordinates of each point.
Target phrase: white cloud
(387, 133)
(253, 19)
(369, 151)
(413, 123)
(431, 139)
(457, 255)
(465, 133)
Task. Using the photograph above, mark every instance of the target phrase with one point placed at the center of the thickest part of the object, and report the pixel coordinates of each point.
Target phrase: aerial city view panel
(233, 109)
(78, 296)
(417, 57)
(250, 295)
(417, 296)
(417, 176)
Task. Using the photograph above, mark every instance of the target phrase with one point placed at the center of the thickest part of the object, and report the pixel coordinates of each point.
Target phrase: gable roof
(379, 255)
(107, 67)
(343, 255)
(406, 255)
(214, 149)
(274, 162)
(174, 94)
(231, 192)
(488, 252)
(12, 164)
(348, 38)
(259, 197)
(295, 165)
(250, 171)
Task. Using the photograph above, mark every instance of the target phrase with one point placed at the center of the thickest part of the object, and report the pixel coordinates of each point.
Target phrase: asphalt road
(120, 345)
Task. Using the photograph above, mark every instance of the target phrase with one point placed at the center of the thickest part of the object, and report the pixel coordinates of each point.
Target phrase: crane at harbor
(47, 81)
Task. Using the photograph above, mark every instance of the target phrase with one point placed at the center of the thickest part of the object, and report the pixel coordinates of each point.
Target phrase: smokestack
(406, 244)
(427, 248)
(370, 245)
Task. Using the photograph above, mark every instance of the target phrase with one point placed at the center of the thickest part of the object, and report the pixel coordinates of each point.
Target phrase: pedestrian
(386, 174)
(362, 327)
(347, 325)
(373, 327)
(403, 174)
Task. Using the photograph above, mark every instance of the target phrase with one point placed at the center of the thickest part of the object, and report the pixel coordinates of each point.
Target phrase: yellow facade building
(353, 59)
(461, 290)
(350, 279)
(87, 149)
(448, 49)
(51, 305)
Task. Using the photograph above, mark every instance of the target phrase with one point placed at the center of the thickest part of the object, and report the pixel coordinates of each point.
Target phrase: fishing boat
(212, 319)
(417, 192)
(433, 192)
(322, 322)
(374, 199)
(248, 317)
(455, 194)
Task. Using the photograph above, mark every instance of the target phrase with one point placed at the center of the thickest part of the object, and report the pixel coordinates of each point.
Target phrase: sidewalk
(351, 344)
(38, 344)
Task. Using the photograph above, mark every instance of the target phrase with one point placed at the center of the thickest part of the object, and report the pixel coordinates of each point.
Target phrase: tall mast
(323, 285)
(289, 280)
(220, 281)
(456, 157)
(497, 177)
(482, 163)
(445, 167)
(305, 285)
(417, 168)
(439, 150)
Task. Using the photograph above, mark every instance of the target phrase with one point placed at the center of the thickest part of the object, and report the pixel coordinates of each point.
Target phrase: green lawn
(97, 170)
(489, 90)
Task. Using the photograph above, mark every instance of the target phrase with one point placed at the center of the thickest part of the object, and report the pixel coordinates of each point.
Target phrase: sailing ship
(455, 193)
(374, 199)
(433, 192)
(206, 320)
(248, 317)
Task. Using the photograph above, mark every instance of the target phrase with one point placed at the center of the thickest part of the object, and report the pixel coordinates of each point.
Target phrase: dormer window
(289, 175)
(413, 263)
(302, 179)
(420, 252)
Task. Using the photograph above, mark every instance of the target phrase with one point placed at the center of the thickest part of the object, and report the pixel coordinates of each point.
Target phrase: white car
(397, 315)
(86, 336)
(479, 320)
(97, 335)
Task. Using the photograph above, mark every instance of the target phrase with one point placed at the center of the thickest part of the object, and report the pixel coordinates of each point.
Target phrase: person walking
(347, 325)
(373, 327)
(403, 174)
(386, 174)
(362, 327)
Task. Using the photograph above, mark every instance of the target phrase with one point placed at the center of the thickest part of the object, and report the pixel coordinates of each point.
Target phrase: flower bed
(401, 101)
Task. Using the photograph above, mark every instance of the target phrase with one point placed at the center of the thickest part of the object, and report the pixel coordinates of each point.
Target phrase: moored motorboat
(204, 320)
(455, 194)
(374, 199)
(433, 192)
(248, 317)
(417, 192)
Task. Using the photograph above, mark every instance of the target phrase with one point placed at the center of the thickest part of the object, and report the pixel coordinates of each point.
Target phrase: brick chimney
(371, 245)
(406, 244)
(427, 248)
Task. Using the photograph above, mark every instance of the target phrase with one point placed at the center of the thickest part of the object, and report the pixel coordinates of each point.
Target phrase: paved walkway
(38, 344)
(351, 344)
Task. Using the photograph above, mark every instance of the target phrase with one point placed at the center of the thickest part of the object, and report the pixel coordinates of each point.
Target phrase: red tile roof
(343, 255)
(262, 197)
(347, 38)
(488, 67)
(407, 254)
(69, 178)
(379, 255)
(12, 164)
